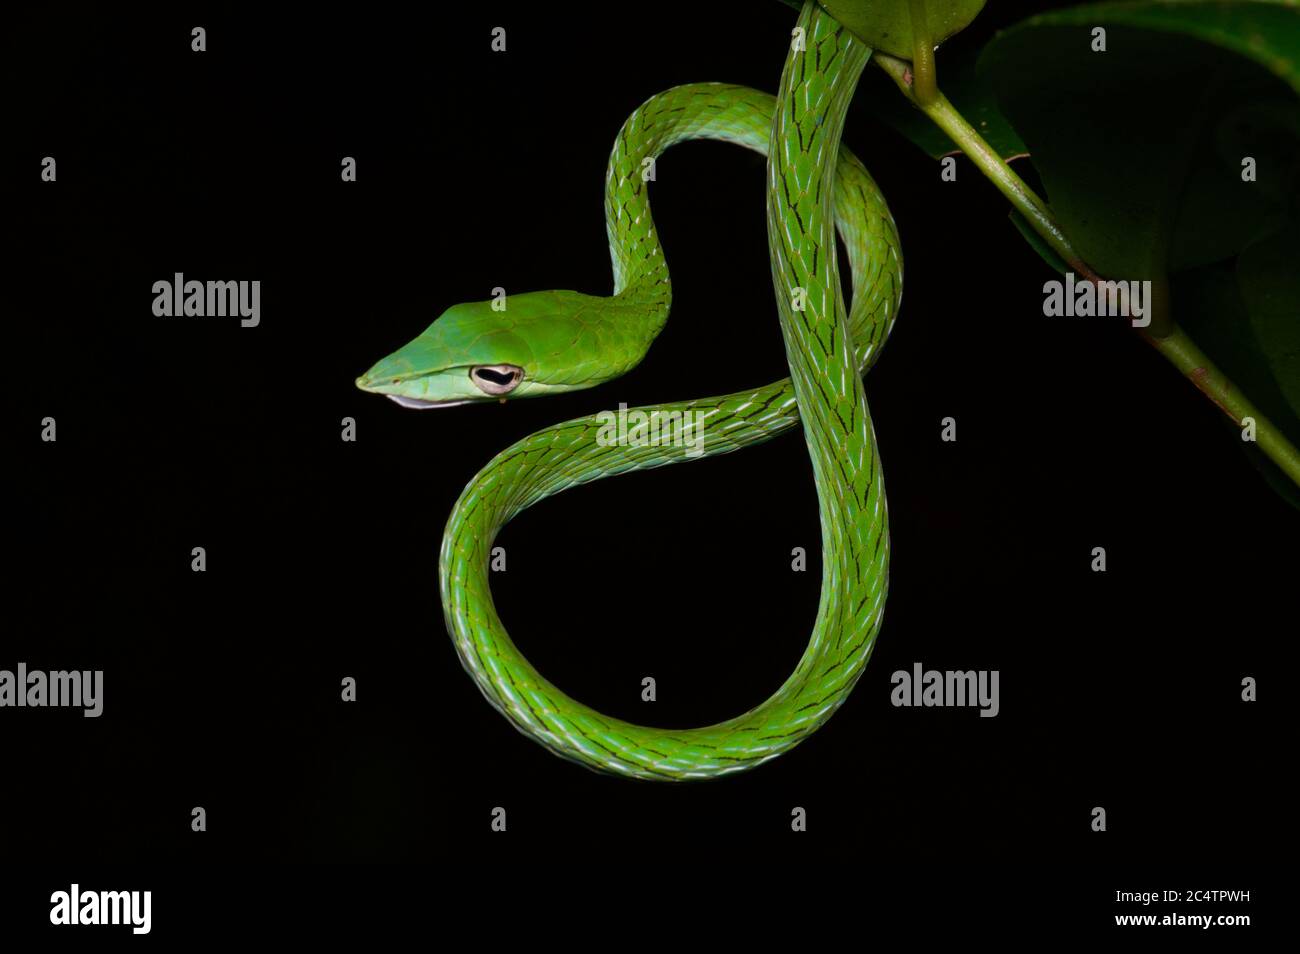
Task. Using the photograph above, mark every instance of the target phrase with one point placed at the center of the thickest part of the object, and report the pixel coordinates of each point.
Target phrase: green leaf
(1268, 273)
(1213, 309)
(1174, 156)
(1124, 139)
(970, 93)
(1265, 31)
(886, 25)
(1268, 132)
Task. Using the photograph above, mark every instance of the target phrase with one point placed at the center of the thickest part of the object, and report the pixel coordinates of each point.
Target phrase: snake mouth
(418, 405)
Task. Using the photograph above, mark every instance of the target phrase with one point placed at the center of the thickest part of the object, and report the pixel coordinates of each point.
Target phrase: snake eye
(496, 379)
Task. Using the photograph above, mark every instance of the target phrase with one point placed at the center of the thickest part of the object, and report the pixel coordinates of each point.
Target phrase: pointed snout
(386, 372)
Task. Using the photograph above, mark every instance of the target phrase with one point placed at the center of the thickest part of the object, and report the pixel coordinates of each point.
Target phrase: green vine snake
(554, 341)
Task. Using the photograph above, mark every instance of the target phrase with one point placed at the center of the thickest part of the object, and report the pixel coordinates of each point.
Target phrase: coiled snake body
(554, 341)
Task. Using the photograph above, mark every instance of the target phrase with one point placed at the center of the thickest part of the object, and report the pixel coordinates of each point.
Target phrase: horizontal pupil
(496, 377)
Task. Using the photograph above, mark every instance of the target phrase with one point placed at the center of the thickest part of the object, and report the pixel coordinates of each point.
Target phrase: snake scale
(546, 342)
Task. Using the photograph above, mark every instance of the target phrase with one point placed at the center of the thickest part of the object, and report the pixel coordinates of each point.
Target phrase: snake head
(524, 346)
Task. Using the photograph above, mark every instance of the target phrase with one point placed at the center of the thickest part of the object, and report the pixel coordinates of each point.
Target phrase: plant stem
(1183, 353)
(1165, 336)
(925, 85)
(1027, 203)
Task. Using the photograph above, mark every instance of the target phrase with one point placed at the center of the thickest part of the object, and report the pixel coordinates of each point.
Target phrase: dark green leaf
(1218, 213)
(1212, 309)
(886, 25)
(1146, 151)
(1128, 139)
(1268, 273)
(1102, 141)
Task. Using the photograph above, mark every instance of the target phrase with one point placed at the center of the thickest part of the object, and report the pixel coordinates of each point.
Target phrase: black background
(476, 169)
